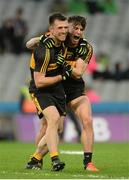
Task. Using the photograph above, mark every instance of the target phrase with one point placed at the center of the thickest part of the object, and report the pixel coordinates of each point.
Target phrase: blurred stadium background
(107, 78)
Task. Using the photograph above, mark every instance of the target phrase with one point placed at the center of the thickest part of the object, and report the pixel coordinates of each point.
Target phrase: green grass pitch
(111, 158)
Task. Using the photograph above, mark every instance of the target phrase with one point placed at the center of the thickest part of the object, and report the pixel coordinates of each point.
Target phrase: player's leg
(42, 149)
(36, 161)
(82, 109)
(46, 106)
(42, 145)
(42, 130)
(52, 116)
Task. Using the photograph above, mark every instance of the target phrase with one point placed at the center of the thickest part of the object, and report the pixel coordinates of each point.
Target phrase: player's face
(59, 30)
(76, 32)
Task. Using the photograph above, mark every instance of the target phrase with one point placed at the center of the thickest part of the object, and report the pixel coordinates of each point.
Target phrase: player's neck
(70, 44)
(57, 42)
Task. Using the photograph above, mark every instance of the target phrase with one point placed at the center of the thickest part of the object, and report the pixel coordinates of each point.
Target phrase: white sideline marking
(71, 152)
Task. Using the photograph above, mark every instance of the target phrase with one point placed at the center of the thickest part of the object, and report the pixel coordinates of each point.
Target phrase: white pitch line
(71, 152)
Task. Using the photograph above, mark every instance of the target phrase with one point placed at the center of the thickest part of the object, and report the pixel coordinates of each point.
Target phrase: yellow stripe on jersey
(46, 61)
(32, 61)
(89, 54)
(34, 99)
(65, 53)
(52, 67)
(72, 63)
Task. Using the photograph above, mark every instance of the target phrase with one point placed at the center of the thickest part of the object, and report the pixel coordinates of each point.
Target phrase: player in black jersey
(47, 91)
(78, 55)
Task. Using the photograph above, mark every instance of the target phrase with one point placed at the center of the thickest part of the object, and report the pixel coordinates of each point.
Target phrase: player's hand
(81, 50)
(66, 74)
(60, 60)
(47, 41)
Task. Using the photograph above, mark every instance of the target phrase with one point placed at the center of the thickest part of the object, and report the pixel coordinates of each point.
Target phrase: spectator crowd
(12, 33)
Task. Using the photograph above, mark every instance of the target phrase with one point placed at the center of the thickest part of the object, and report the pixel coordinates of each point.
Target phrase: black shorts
(71, 95)
(74, 90)
(44, 100)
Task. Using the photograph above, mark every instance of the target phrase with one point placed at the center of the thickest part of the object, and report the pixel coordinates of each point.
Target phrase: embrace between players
(58, 61)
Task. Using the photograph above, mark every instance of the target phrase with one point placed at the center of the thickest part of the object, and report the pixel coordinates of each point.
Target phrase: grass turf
(111, 158)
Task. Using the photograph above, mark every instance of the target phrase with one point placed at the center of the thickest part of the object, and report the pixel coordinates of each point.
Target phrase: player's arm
(84, 55)
(33, 42)
(76, 71)
(44, 39)
(42, 57)
(42, 81)
(79, 68)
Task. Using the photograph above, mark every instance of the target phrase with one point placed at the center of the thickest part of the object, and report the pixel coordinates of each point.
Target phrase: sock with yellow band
(35, 162)
(38, 156)
(54, 156)
(57, 165)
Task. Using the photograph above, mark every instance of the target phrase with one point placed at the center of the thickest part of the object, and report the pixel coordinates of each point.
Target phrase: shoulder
(84, 42)
(39, 51)
(40, 48)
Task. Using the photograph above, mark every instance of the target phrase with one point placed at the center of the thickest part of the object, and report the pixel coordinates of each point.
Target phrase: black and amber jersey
(72, 55)
(72, 52)
(89, 51)
(43, 60)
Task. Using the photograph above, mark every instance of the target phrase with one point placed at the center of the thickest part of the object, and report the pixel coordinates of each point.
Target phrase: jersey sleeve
(88, 51)
(42, 58)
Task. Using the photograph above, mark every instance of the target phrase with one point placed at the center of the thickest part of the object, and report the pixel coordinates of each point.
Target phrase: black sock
(34, 159)
(54, 158)
(87, 157)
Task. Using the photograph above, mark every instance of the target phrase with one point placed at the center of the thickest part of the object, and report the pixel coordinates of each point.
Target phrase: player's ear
(50, 29)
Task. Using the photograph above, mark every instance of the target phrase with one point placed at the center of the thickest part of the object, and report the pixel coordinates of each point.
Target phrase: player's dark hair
(56, 16)
(78, 20)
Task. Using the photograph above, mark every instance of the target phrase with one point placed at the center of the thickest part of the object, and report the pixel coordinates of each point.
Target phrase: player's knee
(60, 130)
(44, 123)
(87, 122)
(54, 121)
